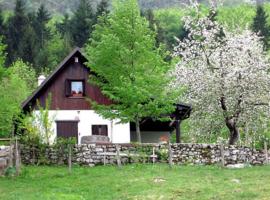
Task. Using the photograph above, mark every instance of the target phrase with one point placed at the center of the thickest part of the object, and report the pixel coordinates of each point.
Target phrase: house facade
(69, 91)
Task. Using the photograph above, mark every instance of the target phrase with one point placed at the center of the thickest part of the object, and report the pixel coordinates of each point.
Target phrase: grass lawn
(138, 182)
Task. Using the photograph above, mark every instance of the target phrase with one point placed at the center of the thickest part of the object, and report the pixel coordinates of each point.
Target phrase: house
(71, 112)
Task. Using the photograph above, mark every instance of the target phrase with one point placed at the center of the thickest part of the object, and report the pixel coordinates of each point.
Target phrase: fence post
(170, 154)
(17, 157)
(222, 155)
(266, 153)
(10, 157)
(153, 155)
(69, 159)
(104, 157)
(118, 158)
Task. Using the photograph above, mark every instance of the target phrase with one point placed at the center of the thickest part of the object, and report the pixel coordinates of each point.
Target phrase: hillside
(67, 6)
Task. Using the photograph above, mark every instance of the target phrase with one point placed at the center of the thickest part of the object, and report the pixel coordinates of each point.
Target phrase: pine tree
(260, 25)
(64, 27)
(102, 9)
(16, 30)
(43, 35)
(129, 68)
(42, 18)
(2, 25)
(81, 23)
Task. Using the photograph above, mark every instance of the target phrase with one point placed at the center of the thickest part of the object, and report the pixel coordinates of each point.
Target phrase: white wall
(118, 133)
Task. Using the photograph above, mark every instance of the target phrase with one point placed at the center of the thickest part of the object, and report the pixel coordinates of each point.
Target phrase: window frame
(68, 87)
(100, 133)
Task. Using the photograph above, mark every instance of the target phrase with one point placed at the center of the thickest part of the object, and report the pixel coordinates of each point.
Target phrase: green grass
(138, 182)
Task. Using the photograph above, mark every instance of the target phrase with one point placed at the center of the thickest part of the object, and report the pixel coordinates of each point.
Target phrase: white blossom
(226, 76)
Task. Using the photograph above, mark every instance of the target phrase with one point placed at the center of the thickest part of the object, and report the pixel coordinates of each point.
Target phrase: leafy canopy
(128, 67)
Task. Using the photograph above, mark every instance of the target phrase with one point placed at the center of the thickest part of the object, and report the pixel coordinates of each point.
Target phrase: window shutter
(83, 84)
(67, 88)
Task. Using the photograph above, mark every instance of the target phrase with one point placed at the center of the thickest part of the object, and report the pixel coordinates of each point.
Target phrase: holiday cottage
(70, 110)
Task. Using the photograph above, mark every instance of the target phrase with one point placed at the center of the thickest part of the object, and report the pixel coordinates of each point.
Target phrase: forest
(36, 36)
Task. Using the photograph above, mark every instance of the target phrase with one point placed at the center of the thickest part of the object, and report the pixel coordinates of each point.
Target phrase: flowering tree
(225, 75)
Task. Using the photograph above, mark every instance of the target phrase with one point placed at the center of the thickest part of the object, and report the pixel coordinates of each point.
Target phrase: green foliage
(10, 172)
(102, 9)
(56, 49)
(170, 21)
(238, 17)
(261, 27)
(81, 23)
(26, 72)
(2, 59)
(15, 86)
(14, 90)
(44, 122)
(123, 43)
(37, 126)
(154, 25)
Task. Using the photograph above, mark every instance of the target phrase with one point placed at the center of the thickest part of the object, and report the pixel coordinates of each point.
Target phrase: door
(67, 129)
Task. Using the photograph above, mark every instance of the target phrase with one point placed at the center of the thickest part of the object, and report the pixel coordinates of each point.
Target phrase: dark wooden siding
(56, 87)
(67, 129)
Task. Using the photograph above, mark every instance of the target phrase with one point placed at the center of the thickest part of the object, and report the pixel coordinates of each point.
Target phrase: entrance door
(66, 129)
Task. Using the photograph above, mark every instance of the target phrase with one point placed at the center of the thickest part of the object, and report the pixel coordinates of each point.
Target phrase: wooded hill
(68, 6)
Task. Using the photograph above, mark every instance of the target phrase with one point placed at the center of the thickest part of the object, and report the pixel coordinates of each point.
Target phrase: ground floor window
(100, 130)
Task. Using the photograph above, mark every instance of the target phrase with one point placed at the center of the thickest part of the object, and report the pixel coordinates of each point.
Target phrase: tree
(56, 50)
(130, 70)
(2, 59)
(41, 29)
(25, 72)
(102, 9)
(261, 27)
(16, 30)
(82, 23)
(154, 25)
(2, 25)
(227, 77)
(15, 87)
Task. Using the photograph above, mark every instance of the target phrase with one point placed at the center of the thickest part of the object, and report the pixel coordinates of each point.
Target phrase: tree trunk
(138, 131)
(234, 132)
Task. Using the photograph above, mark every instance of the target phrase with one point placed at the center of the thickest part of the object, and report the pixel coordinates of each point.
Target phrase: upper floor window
(75, 88)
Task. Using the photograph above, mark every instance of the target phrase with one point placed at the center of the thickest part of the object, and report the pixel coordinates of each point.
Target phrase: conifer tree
(102, 8)
(2, 25)
(82, 23)
(260, 25)
(16, 30)
(42, 18)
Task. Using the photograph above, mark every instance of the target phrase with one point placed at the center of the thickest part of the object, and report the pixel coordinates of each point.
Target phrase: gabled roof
(49, 78)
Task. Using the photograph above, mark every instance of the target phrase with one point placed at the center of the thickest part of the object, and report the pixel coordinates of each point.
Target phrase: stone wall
(98, 154)
(4, 158)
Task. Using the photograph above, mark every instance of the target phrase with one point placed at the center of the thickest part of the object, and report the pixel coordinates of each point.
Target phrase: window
(75, 88)
(100, 130)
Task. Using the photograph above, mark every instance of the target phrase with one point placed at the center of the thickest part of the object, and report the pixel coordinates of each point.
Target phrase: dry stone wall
(99, 154)
(4, 158)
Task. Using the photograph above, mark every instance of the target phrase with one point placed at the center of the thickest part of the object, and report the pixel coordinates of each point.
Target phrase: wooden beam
(178, 130)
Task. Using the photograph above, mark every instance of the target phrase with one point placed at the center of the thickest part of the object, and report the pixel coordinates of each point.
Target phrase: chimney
(41, 78)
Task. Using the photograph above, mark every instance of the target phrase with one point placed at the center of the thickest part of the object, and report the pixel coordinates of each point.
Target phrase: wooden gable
(56, 86)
